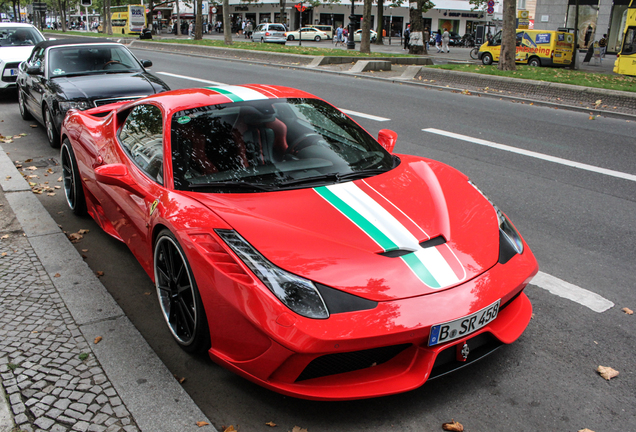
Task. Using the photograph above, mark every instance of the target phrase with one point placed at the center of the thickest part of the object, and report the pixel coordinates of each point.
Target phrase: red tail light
(266, 33)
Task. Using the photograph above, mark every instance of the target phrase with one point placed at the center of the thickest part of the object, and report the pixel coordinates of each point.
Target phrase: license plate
(451, 330)
(10, 72)
(557, 54)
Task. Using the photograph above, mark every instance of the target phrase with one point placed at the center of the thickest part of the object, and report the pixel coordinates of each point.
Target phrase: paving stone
(58, 428)
(81, 426)
(20, 419)
(43, 422)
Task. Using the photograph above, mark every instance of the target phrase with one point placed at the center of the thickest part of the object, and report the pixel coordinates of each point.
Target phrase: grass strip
(556, 75)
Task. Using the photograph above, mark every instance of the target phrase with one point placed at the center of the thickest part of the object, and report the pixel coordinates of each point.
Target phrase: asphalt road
(580, 224)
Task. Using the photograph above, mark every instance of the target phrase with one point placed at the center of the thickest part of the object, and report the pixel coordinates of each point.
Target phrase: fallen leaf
(59, 179)
(28, 160)
(97, 340)
(32, 168)
(585, 430)
(33, 126)
(83, 231)
(75, 237)
(51, 194)
(453, 426)
(298, 429)
(6, 236)
(230, 428)
(202, 423)
(591, 118)
(8, 177)
(99, 273)
(628, 311)
(271, 424)
(57, 275)
(607, 372)
(4, 254)
(57, 187)
(84, 250)
(147, 293)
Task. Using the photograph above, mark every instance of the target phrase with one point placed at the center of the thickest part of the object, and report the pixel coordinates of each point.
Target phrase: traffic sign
(39, 7)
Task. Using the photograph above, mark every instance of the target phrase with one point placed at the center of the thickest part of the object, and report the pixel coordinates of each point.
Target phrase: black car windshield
(270, 144)
(90, 59)
(19, 36)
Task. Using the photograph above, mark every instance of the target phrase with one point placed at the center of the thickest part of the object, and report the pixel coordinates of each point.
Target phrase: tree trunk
(178, 21)
(575, 54)
(282, 12)
(416, 39)
(227, 28)
(380, 17)
(149, 20)
(508, 37)
(365, 39)
(198, 23)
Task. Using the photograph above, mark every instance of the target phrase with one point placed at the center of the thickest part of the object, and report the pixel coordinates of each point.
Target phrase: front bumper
(368, 353)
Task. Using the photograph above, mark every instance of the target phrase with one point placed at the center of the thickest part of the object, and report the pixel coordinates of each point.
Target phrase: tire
(179, 297)
(486, 59)
(290, 38)
(51, 131)
(24, 112)
(474, 53)
(534, 61)
(317, 39)
(73, 190)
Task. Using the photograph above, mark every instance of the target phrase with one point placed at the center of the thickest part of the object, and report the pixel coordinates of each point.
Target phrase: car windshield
(19, 36)
(91, 59)
(270, 145)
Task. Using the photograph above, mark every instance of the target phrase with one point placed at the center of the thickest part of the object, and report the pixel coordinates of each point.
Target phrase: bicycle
(474, 53)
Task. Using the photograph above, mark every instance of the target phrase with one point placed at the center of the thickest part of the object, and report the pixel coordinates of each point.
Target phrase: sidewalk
(52, 308)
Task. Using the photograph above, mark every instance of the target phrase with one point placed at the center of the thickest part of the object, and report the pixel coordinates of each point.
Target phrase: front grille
(332, 364)
(100, 102)
(480, 346)
(10, 79)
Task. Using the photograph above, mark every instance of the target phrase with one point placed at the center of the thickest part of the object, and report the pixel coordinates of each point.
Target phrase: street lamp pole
(351, 43)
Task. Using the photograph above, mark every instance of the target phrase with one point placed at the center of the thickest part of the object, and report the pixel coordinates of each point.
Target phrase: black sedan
(81, 74)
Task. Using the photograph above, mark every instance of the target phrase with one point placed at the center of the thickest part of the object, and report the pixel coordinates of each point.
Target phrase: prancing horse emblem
(465, 351)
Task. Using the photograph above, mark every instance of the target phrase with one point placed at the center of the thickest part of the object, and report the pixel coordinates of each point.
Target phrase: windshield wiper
(230, 185)
(332, 177)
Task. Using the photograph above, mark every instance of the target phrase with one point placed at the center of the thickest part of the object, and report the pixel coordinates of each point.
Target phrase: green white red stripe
(437, 266)
(238, 93)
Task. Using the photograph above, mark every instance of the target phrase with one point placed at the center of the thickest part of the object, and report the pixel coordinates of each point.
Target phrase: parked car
(325, 28)
(82, 74)
(309, 33)
(16, 43)
(292, 246)
(269, 32)
(357, 36)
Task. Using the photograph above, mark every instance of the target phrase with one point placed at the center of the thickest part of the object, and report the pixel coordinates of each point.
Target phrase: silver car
(269, 32)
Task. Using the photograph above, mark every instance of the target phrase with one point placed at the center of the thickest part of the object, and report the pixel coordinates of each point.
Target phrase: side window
(519, 38)
(629, 41)
(496, 40)
(141, 136)
(37, 58)
(260, 28)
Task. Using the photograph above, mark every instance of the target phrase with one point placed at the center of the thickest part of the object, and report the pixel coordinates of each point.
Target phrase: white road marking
(367, 116)
(352, 113)
(572, 292)
(190, 78)
(542, 156)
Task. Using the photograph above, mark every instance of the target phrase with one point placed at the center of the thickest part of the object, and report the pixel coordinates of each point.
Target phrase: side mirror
(146, 63)
(117, 175)
(387, 139)
(34, 70)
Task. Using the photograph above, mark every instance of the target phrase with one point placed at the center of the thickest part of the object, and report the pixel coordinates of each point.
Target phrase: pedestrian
(445, 40)
(427, 37)
(438, 41)
(602, 44)
(339, 35)
(191, 29)
(407, 36)
(345, 36)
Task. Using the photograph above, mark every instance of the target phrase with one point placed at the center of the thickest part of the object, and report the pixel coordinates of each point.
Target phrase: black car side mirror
(146, 63)
(34, 70)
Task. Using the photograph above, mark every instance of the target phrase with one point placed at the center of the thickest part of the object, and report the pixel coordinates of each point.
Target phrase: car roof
(15, 24)
(75, 41)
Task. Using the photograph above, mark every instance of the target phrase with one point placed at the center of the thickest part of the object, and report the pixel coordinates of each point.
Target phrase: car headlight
(298, 294)
(80, 105)
(506, 229)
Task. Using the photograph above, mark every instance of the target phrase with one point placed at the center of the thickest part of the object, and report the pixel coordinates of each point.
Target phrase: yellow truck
(534, 48)
(625, 63)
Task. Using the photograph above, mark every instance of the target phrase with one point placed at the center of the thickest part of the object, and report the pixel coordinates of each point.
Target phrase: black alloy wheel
(178, 295)
(51, 130)
(73, 190)
(24, 112)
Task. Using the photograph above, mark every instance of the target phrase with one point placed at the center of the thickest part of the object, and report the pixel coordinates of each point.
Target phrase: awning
(455, 5)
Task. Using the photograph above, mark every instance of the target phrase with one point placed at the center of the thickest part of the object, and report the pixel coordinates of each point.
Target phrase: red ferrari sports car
(296, 249)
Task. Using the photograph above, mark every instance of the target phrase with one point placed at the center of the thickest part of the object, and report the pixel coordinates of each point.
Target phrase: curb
(147, 388)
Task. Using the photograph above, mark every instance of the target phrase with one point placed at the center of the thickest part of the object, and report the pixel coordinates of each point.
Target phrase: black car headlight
(80, 105)
(298, 294)
(510, 240)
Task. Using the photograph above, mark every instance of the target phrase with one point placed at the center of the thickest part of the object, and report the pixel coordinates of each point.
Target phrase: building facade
(596, 18)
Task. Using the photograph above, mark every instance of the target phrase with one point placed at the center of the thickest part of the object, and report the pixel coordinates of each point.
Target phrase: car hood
(15, 54)
(108, 85)
(363, 237)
